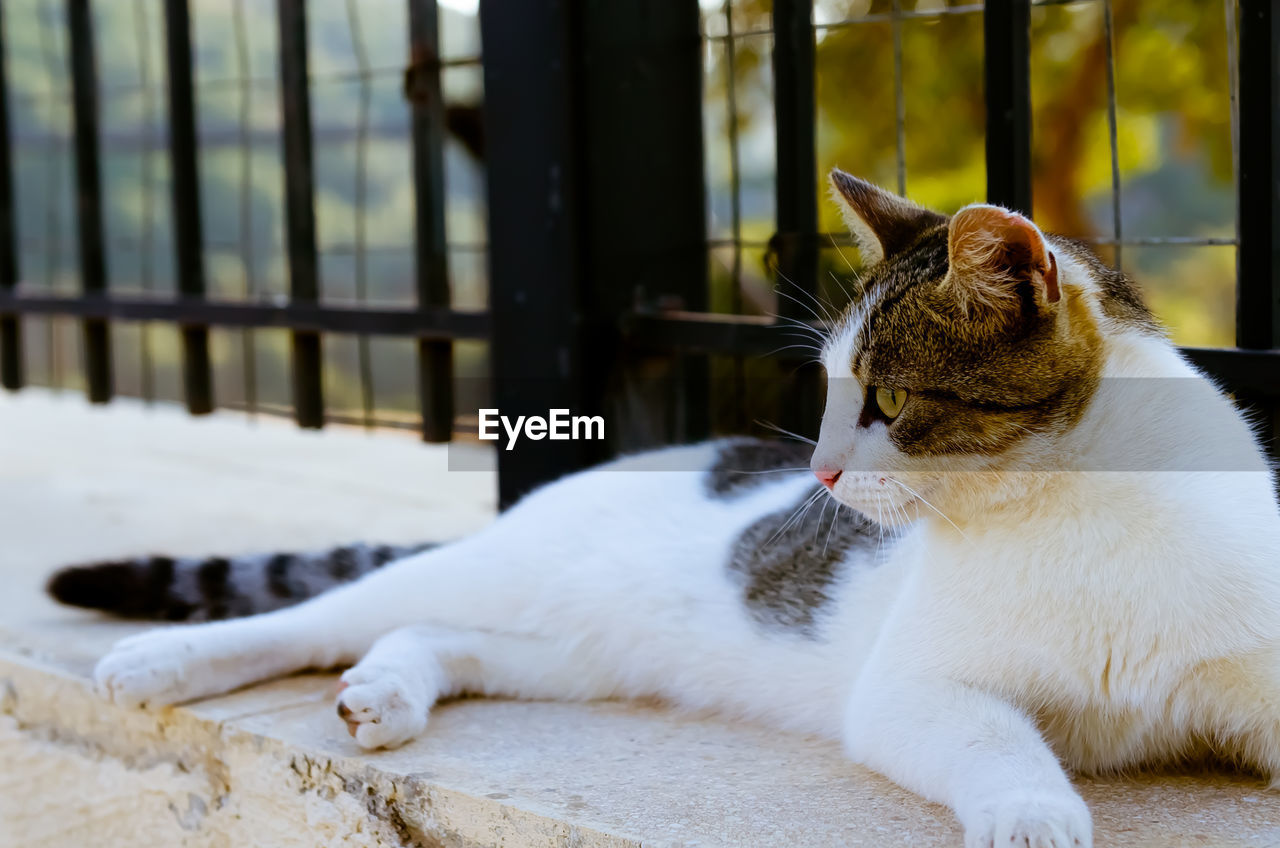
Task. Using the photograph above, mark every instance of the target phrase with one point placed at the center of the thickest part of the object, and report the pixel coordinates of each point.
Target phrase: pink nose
(827, 476)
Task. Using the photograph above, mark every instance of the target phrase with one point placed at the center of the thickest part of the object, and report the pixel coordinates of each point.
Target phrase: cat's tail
(205, 589)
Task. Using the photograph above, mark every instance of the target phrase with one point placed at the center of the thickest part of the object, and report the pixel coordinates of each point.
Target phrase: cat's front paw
(156, 668)
(1030, 820)
(382, 707)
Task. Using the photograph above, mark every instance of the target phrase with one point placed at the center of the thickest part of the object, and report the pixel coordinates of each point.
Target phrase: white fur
(1093, 620)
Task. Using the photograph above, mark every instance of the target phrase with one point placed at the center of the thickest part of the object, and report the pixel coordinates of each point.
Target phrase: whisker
(922, 500)
(798, 322)
(835, 516)
(825, 307)
(840, 252)
(778, 429)
(798, 302)
(880, 527)
(793, 329)
(816, 353)
(822, 516)
(790, 323)
(804, 341)
(840, 283)
(770, 470)
(798, 511)
(797, 515)
(896, 511)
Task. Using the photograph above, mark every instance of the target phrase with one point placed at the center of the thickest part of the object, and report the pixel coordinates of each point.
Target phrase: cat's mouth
(886, 504)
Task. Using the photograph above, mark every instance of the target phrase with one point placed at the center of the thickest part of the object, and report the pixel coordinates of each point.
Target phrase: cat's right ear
(881, 223)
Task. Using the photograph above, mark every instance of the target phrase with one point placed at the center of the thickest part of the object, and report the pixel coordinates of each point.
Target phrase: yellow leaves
(1137, 145)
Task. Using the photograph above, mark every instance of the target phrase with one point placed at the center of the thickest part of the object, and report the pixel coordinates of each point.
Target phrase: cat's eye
(890, 401)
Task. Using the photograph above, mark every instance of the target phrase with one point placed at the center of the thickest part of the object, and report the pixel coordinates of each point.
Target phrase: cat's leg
(967, 749)
(173, 664)
(476, 583)
(387, 695)
(1234, 703)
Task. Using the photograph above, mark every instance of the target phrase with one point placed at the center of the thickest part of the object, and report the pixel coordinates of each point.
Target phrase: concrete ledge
(272, 765)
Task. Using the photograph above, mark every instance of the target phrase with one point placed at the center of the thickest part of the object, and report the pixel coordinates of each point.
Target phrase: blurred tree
(1173, 112)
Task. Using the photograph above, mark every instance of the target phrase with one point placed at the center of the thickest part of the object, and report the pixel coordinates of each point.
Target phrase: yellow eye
(890, 401)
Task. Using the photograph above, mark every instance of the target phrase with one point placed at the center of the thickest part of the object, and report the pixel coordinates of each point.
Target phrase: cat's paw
(382, 707)
(156, 668)
(1030, 820)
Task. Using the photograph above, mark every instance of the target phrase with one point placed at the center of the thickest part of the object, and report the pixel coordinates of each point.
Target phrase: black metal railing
(593, 142)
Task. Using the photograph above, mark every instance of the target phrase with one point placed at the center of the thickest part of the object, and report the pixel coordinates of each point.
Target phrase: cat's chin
(885, 511)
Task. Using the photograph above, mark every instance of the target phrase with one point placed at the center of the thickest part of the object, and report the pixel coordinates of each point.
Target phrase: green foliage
(1173, 138)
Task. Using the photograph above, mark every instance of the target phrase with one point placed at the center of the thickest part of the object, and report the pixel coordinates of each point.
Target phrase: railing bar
(1006, 46)
(1258, 214)
(844, 239)
(899, 99)
(1156, 241)
(335, 77)
(361, 202)
(797, 190)
(735, 195)
(431, 246)
(741, 34)
(330, 250)
(422, 322)
(295, 102)
(730, 242)
(759, 336)
(226, 137)
(248, 342)
(534, 140)
(1233, 87)
(1116, 223)
(147, 187)
(331, 78)
(735, 163)
(93, 257)
(52, 226)
(903, 14)
(188, 234)
(11, 370)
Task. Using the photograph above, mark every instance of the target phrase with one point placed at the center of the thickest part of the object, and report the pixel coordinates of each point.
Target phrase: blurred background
(900, 102)
(1131, 149)
(364, 201)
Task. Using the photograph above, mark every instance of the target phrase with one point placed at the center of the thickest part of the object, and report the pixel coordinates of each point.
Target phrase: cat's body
(631, 573)
(1066, 566)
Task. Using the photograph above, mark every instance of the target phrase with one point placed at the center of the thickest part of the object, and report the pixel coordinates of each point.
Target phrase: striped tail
(161, 588)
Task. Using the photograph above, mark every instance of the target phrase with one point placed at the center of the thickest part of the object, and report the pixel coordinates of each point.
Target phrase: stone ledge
(272, 765)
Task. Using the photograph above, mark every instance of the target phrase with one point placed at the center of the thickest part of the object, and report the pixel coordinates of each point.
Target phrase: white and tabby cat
(1021, 569)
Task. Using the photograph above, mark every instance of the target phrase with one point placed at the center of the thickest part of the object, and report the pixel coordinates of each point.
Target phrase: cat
(1038, 541)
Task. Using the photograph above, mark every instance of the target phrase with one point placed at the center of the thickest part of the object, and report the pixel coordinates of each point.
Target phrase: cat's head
(974, 346)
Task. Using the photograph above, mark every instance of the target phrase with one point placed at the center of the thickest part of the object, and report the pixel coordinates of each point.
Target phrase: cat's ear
(882, 223)
(996, 257)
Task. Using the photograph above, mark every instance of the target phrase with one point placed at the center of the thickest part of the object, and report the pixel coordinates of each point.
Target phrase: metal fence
(593, 139)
